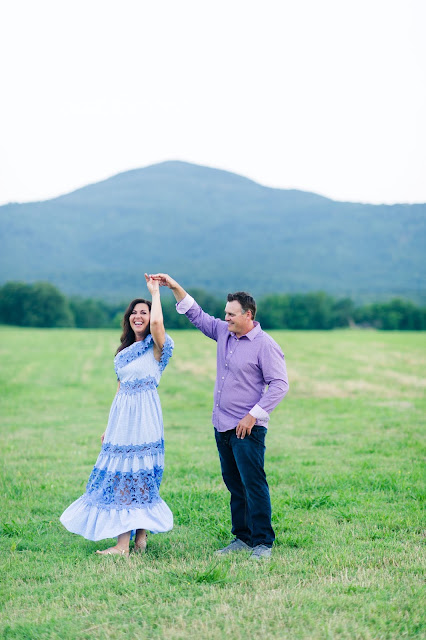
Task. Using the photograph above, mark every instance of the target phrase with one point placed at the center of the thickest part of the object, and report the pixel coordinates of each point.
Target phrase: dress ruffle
(97, 524)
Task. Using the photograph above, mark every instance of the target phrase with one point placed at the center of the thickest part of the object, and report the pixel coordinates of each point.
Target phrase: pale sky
(321, 95)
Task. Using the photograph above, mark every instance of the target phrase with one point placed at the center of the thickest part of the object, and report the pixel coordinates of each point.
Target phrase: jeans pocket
(258, 435)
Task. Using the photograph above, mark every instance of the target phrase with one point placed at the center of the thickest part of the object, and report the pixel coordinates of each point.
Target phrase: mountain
(214, 230)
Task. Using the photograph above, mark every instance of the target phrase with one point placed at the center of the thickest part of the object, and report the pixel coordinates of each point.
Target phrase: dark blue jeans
(242, 462)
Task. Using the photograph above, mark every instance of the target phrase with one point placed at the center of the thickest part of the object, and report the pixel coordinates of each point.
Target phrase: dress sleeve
(166, 352)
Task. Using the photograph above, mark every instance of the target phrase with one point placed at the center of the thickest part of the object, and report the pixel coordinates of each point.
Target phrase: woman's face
(139, 319)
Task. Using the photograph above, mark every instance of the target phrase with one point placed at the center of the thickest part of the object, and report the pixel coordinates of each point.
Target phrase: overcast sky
(322, 95)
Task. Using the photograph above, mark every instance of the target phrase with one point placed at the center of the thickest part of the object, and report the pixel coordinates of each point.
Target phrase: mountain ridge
(214, 230)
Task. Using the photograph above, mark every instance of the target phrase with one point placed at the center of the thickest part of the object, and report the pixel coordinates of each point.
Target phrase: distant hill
(214, 230)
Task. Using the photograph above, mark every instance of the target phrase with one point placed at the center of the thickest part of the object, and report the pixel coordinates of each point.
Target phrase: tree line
(42, 305)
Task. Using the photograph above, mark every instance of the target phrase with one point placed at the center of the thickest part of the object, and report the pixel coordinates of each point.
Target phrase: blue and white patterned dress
(122, 493)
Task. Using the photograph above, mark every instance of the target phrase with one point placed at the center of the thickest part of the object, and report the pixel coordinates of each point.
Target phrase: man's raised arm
(187, 305)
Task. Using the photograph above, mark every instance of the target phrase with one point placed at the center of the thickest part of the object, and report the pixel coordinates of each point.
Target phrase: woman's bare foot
(140, 541)
(113, 551)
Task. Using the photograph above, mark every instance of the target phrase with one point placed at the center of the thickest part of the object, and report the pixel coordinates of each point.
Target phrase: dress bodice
(137, 362)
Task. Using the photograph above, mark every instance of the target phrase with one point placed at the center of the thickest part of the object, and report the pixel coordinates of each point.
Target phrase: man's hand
(245, 426)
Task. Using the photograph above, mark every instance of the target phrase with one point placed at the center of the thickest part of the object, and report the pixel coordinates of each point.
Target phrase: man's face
(238, 322)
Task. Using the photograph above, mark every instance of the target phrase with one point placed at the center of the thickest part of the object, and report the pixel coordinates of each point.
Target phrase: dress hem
(94, 523)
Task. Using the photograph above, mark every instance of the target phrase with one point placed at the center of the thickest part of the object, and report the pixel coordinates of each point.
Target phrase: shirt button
(218, 391)
(223, 377)
(230, 352)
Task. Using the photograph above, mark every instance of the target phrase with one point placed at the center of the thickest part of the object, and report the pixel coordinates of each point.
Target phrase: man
(248, 360)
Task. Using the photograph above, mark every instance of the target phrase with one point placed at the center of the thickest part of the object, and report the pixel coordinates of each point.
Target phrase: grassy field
(344, 464)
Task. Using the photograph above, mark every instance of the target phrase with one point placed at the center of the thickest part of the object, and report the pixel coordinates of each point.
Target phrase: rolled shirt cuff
(185, 304)
(259, 413)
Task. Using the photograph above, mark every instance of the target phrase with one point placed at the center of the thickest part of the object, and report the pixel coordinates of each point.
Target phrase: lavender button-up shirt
(251, 372)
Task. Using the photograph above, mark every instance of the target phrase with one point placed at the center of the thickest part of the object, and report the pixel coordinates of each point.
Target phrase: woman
(122, 494)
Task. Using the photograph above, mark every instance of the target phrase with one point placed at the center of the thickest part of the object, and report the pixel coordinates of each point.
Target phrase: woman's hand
(102, 437)
(152, 284)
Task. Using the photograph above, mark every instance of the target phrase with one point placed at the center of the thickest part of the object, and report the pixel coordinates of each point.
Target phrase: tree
(90, 313)
(34, 305)
(14, 298)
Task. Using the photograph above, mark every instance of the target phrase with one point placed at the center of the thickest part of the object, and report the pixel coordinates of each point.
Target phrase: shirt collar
(251, 334)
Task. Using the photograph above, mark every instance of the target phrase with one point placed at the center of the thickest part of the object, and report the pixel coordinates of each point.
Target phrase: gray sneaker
(236, 545)
(260, 552)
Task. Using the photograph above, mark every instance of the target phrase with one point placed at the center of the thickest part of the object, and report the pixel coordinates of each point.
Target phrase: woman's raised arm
(156, 319)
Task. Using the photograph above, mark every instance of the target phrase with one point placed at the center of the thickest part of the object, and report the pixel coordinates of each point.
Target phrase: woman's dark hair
(246, 301)
(128, 335)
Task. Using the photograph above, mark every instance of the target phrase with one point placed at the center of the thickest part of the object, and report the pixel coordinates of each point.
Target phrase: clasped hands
(163, 279)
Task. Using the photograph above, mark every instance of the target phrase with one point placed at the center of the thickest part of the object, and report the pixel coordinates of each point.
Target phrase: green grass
(344, 464)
